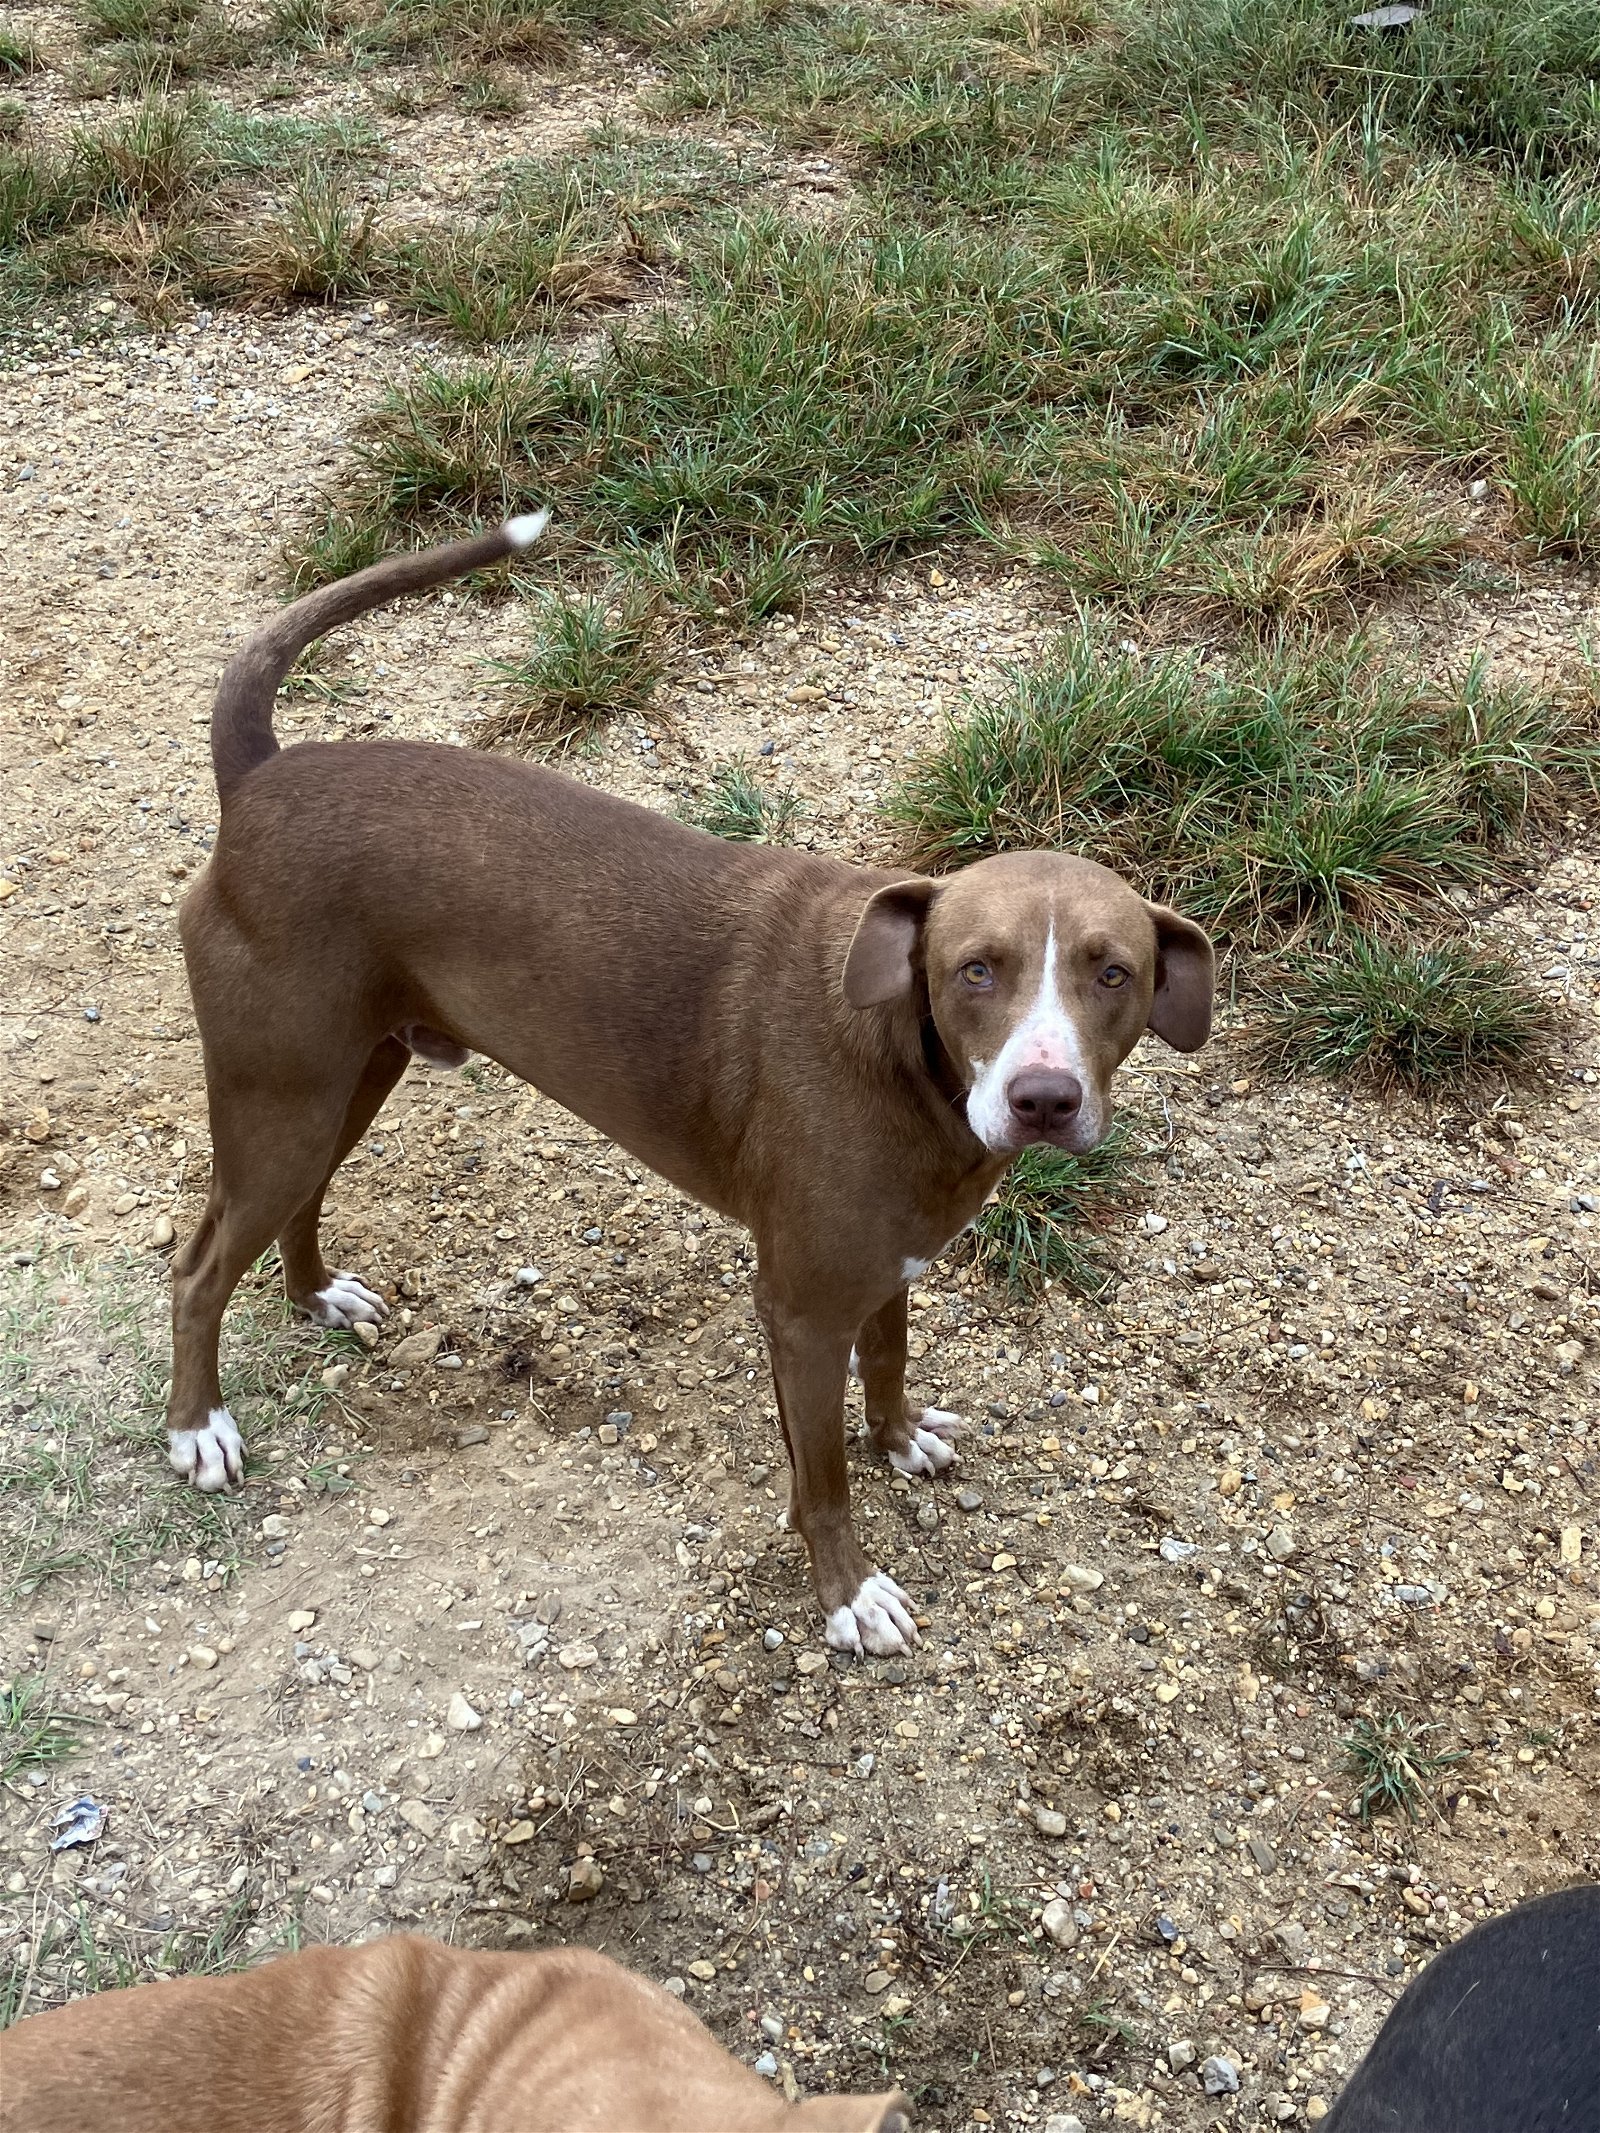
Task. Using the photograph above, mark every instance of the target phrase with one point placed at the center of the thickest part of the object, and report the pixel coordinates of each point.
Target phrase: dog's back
(1500, 2034)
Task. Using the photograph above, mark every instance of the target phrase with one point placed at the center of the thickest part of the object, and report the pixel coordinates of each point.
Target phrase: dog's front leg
(810, 1366)
(911, 1438)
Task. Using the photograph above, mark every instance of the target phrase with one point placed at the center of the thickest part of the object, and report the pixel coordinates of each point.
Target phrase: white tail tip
(524, 531)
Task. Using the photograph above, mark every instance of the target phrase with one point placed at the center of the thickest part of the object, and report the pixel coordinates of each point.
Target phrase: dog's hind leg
(913, 1439)
(339, 1299)
(271, 1143)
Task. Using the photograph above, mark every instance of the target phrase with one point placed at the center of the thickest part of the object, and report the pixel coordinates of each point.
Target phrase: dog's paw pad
(348, 1302)
(212, 1457)
(877, 1620)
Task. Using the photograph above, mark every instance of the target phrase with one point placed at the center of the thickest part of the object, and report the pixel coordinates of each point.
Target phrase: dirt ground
(503, 1639)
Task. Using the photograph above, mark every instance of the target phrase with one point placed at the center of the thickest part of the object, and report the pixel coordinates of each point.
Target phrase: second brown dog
(400, 2035)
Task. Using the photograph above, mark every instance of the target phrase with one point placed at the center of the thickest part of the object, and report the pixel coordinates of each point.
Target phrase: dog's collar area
(941, 1067)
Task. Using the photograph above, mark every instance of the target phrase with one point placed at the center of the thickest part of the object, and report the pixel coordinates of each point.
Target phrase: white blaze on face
(1045, 1040)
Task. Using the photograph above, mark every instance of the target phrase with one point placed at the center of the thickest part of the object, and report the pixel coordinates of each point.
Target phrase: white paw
(877, 1620)
(929, 1452)
(209, 1457)
(348, 1302)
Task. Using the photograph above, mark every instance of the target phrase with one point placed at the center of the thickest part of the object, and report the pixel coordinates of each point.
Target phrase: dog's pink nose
(1045, 1102)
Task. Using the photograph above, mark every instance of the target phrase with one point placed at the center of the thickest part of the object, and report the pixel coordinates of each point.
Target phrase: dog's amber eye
(978, 975)
(1114, 975)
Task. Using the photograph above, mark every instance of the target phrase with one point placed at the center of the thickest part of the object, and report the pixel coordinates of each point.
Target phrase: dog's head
(1042, 972)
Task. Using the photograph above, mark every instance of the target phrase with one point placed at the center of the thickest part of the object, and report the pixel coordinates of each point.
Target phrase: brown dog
(401, 2035)
(843, 1059)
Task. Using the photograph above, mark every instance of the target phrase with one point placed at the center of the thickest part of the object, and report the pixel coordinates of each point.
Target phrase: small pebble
(1059, 1923)
(415, 1349)
(460, 1716)
(585, 1880)
(1221, 2077)
(772, 1639)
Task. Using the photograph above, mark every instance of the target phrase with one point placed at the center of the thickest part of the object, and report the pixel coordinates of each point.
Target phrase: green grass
(1038, 1229)
(134, 200)
(320, 247)
(473, 30)
(1260, 398)
(594, 659)
(558, 241)
(85, 1490)
(301, 25)
(1300, 788)
(816, 398)
(18, 55)
(737, 806)
(1412, 1016)
(76, 1950)
(33, 1735)
(145, 46)
(1396, 1773)
(953, 100)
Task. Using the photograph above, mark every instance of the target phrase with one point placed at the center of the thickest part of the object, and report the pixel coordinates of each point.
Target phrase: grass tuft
(1035, 1230)
(319, 248)
(19, 55)
(595, 659)
(737, 807)
(1292, 789)
(334, 545)
(559, 241)
(302, 25)
(77, 1949)
(474, 30)
(144, 46)
(1397, 1774)
(32, 1734)
(1409, 1016)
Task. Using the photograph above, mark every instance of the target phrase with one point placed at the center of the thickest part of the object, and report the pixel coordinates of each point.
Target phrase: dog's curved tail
(241, 714)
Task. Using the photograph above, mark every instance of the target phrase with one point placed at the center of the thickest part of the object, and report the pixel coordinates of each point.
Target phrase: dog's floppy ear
(889, 2113)
(1186, 976)
(878, 965)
